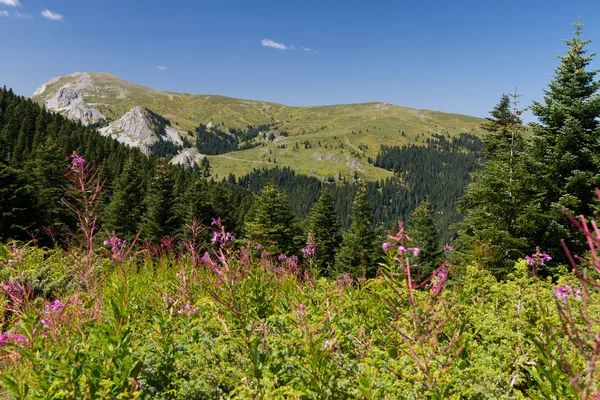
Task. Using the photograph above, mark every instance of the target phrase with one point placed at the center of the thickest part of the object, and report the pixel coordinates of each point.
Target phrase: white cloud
(310, 50)
(13, 3)
(3, 13)
(162, 67)
(54, 16)
(275, 45)
(22, 15)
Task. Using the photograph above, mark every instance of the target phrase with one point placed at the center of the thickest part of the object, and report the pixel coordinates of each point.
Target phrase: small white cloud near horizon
(273, 44)
(54, 16)
(310, 50)
(22, 15)
(12, 3)
(162, 67)
(3, 13)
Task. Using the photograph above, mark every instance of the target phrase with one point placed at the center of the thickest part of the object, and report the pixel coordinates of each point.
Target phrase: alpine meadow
(158, 244)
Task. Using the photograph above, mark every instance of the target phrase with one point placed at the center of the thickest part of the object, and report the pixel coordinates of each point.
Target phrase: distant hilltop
(337, 138)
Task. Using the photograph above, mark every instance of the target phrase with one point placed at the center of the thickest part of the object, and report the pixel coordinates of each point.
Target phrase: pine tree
(17, 201)
(421, 228)
(501, 139)
(564, 156)
(325, 229)
(159, 220)
(48, 172)
(123, 213)
(497, 200)
(271, 222)
(359, 250)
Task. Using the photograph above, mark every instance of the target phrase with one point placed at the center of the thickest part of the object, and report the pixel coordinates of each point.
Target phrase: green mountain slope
(321, 141)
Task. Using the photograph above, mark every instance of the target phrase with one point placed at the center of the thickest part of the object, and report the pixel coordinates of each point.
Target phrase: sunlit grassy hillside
(339, 138)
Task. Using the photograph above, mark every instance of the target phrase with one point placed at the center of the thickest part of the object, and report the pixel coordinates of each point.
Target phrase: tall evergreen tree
(359, 251)
(564, 156)
(324, 225)
(17, 201)
(271, 222)
(422, 230)
(48, 172)
(497, 200)
(159, 219)
(123, 214)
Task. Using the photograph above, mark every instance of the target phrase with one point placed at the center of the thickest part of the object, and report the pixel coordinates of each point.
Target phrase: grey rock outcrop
(187, 157)
(138, 129)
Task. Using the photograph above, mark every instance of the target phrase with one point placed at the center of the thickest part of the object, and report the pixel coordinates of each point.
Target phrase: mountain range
(237, 135)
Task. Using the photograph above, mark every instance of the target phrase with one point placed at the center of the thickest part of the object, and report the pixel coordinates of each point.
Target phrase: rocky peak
(68, 99)
(141, 128)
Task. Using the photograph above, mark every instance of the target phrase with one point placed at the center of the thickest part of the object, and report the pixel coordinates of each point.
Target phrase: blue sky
(455, 56)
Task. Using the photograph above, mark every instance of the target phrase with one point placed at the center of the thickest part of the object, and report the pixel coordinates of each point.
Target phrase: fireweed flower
(301, 311)
(222, 238)
(437, 282)
(116, 245)
(188, 309)
(262, 329)
(311, 247)
(537, 258)
(77, 162)
(14, 337)
(56, 305)
(19, 338)
(416, 251)
(281, 257)
(563, 292)
(219, 235)
(386, 246)
(291, 264)
(530, 261)
(401, 250)
(309, 251)
(206, 259)
(343, 280)
(448, 249)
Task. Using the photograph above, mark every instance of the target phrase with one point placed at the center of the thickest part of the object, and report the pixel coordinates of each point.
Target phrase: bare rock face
(187, 157)
(138, 128)
(68, 100)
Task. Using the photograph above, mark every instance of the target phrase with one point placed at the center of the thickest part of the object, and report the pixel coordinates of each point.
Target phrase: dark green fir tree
(497, 202)
(124, 212)
(564, 156)
(159, 219)
(272, 224)
(359, 251)
(324, 226)
(421, 228)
